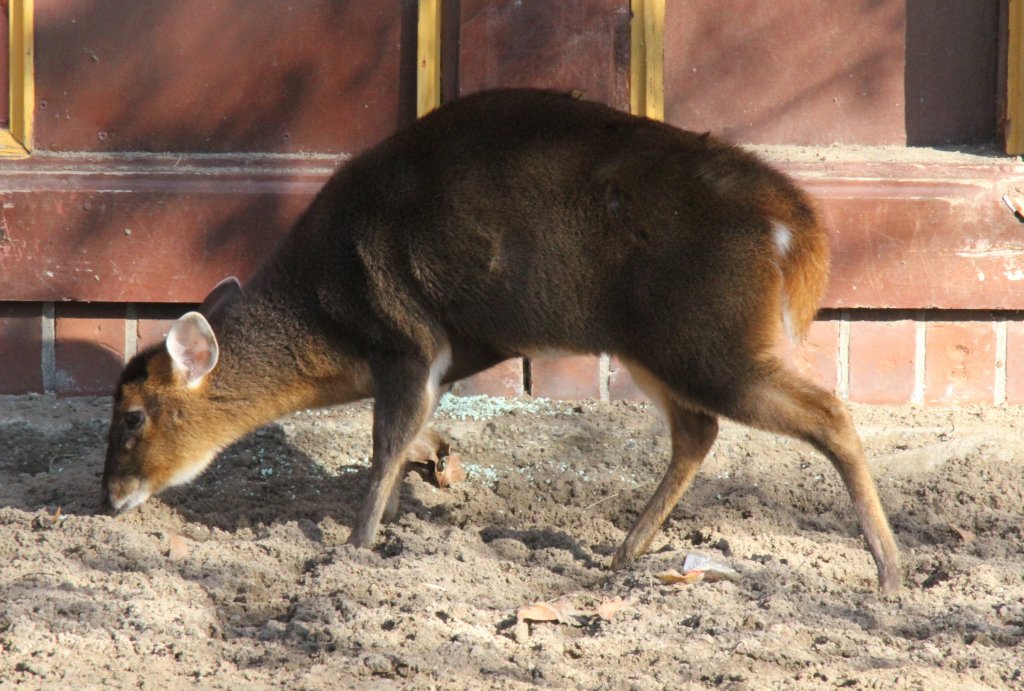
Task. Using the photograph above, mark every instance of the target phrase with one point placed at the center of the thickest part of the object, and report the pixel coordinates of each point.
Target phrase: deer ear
(224, 293)
(192, 347)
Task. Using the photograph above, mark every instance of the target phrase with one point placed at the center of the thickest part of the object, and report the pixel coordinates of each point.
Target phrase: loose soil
(243, 579)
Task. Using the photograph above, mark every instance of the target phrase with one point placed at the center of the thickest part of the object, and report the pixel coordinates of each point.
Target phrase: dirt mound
(243, 579)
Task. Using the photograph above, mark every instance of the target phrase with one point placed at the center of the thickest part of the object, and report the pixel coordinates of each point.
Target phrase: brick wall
(931, 357)
(884, 357)
(75, 349)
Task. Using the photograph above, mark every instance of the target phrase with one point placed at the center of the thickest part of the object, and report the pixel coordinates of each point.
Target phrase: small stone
(379, 665)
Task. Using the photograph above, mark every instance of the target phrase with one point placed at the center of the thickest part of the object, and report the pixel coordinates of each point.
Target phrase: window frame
(428, 62)
(1015, 79)
(647, 58)
(16, 139)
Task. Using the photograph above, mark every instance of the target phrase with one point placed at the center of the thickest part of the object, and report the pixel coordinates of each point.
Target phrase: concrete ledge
(913, 233)
(919, 233)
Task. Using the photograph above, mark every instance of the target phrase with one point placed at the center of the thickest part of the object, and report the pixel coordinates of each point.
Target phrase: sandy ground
(262, 591)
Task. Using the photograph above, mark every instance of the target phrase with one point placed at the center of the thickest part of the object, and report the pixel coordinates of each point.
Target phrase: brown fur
(506, 223)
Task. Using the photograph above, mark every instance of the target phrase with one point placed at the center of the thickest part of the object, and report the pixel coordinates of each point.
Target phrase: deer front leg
(406, 391)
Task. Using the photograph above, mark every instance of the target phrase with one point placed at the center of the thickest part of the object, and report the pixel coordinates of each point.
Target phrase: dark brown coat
(510, 223)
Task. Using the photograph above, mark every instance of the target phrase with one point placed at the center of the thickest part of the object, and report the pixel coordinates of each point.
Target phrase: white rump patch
(783, 237)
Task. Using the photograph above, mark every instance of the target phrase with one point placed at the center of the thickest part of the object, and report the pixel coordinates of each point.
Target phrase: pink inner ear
(196, 361)
(193, 347)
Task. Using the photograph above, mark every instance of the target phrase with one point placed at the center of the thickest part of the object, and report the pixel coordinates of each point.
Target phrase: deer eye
(133, 419)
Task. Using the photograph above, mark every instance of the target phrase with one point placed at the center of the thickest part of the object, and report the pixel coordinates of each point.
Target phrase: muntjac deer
(505, 224)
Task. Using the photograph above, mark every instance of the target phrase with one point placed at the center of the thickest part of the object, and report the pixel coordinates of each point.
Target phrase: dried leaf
(177, 547)
(538, 611)
(48, 521)
(966, 535)
(448, 470)
(609, 607)
(428, 446)
(672, 576)
(558, 610)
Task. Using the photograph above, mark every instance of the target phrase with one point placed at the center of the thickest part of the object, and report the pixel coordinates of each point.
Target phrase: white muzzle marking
(132, 499)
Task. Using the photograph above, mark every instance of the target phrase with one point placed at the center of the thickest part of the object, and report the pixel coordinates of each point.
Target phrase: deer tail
(803, 257)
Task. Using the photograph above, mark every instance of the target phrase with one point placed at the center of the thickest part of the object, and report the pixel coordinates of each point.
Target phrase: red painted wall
(177, 142)
(814, 72)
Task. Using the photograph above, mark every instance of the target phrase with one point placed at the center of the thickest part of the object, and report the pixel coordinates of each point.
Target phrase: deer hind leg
(780, 401)
(406, 390)
(693, 432)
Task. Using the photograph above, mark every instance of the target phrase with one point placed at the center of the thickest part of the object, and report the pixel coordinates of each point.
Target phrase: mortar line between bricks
(604, 373)
(843, 357)
(131, 331)
(999, 386)
(920, 332)
(48, 354)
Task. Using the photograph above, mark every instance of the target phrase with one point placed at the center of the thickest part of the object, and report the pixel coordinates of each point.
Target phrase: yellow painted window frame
(647, 58)
(647, 64)
(428, 57)
(1015, 80)
(16, 140)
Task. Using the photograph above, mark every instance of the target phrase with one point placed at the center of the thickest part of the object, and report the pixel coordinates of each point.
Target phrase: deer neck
(274, 361)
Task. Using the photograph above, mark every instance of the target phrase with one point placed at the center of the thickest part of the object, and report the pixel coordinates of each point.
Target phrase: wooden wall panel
(5, 66)
(223, 75)
(818, 72)
(952, 67)
(576, 45)
(799, 72)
